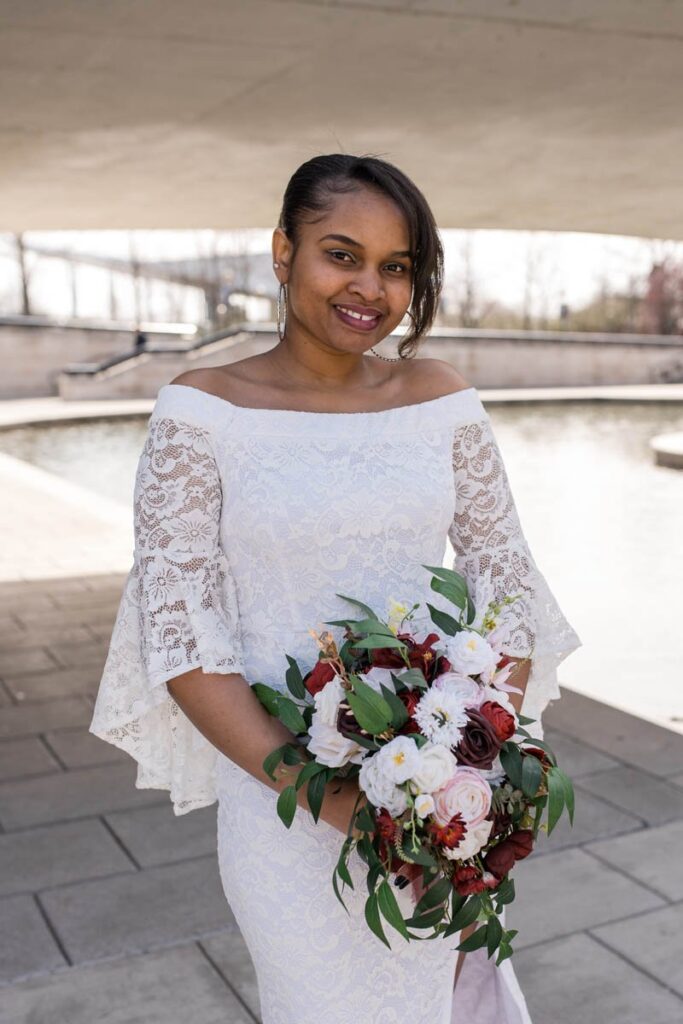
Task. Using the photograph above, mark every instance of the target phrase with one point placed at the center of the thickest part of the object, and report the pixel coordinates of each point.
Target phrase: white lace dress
(248, 522)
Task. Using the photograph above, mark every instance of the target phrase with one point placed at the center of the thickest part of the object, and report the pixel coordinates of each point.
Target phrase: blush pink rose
(467, 793)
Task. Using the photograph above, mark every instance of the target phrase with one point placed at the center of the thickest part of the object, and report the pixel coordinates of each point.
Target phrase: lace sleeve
(491, 552)
(178, 612)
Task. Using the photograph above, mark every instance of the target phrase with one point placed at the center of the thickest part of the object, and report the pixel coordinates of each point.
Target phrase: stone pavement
(112, 908)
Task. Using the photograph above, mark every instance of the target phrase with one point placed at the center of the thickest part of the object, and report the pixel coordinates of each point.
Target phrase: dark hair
(310, 190)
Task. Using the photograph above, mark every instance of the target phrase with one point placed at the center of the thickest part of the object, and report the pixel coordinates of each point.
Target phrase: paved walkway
(111, 907)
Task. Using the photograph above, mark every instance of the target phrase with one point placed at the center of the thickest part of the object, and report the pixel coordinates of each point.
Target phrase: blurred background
(145, 150)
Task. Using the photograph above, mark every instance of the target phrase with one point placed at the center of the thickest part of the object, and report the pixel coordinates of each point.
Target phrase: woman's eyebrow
(350, 241)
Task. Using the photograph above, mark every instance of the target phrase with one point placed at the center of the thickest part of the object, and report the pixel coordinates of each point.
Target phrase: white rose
(472, 842)
(381, 792)
(329, 746)
(470, 653)
(398, 760)
(463, 687)
(436, 766)
(424, 804)
(328, 699)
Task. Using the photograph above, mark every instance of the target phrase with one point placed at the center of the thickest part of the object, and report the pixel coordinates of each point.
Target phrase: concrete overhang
(537, 114)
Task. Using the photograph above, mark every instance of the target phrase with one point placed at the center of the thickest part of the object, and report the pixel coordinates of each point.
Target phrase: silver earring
(394, 359)
(281, 304)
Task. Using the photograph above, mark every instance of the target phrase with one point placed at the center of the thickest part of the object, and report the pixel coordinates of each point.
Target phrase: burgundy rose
(501, 720)
(479, 743)
(500, 858)
(318, 678)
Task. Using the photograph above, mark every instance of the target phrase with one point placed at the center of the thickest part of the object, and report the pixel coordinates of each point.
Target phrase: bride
(268, 486)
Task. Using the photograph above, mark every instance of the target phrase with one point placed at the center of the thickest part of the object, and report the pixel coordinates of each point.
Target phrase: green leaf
(475, 941)
(524, 720)
(369, 707)
(273, 759)
(410, 677)
(373, 626)
(315, 793)
(390, 908)
(376, 641)
(310, 769)
(467, 913)
(342, 864)
(359, 604)
(568, 793)
(445, 622)
(362, 741)
(494, 933)
(373, 919)
(335, 886)
(504, 951)
(511, 760)
(294, 679)
(427, 920)
(294, 754)
(417, 855)
(399, 712)
(289, 715)
(505, 892)
(364, 820)
(451, 584)
(286, 805)
(555, 798)
(435, 895)
(532, 773)
(268, 697)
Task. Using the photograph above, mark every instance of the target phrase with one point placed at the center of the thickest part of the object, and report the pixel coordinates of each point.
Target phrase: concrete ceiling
(538, 114)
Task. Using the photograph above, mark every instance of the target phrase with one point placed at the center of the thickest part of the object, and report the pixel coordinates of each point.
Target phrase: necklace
(387, 359)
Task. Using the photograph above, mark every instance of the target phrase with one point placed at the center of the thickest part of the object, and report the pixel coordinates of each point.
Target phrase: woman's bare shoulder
(433, 378)
(215, 380)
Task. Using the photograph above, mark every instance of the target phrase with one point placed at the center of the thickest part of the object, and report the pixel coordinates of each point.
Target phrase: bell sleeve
(178, 612)
(492, 554)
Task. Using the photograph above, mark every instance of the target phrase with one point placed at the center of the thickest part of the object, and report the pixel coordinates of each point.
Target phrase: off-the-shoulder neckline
(309, 412)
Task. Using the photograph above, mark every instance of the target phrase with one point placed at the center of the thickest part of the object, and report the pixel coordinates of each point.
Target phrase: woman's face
(348, 292)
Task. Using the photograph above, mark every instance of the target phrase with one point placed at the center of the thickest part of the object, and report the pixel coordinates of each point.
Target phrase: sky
(557, 267)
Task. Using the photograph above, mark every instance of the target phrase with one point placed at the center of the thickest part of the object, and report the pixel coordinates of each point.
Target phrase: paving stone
(648, 856)
(593, 819)
(230, 954)
(677, 779)
(654, 800)
(23, 638)
(78, 748)
(136, 912)
(23, 660)
(568, 891)
(576, 758)
(576, 979)
(26, 756)
(105, 597)
(73, 794)
(31, 719)
(155, 835)
(654, 942)
(26, 944)
(38, 858)
(59, 682)
(172, 986)
(617, 733)
(70, 655)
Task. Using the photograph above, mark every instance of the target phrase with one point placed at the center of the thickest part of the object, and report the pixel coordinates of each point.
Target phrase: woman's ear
(282, 252)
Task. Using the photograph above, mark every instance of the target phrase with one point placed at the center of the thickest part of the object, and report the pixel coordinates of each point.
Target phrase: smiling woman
(266, 489)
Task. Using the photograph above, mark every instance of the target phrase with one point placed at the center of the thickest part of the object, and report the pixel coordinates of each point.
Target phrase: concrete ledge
(668, 449)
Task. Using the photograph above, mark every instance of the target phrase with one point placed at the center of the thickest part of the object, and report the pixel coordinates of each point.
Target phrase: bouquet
(453, 789)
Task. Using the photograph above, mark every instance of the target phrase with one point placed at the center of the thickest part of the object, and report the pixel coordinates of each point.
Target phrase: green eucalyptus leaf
(475, 941)
(273, 759)
(445, 622)
(286, 805)
(294, 679)
(555, 798)
(373, 919)
(532, 773)
(494, 933)
(359, 604)
(390, 908)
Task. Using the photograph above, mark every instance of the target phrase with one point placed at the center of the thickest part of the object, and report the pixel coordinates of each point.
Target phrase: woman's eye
(338, 252)
(399, 265)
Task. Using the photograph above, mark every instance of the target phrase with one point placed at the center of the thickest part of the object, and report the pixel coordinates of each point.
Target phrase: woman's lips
(357, 324)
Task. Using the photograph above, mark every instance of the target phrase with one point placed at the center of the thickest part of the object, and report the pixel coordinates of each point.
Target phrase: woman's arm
(226, 711)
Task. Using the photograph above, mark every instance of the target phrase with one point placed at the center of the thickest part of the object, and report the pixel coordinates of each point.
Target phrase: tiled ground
(111, 907)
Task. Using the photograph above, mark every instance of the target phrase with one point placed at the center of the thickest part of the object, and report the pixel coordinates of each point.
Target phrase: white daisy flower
(441, 716)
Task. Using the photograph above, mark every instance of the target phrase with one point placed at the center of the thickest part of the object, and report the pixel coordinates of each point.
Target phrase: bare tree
(24, 274)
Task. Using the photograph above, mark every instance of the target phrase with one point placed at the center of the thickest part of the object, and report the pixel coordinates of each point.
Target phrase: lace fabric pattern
(251, 526)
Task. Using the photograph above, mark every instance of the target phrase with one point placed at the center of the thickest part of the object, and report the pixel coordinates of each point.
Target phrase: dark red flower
(469, 880)
(501, 720)
(448, 835)
(500, 858)
(420, 655)
(318, 678)
(479, 742)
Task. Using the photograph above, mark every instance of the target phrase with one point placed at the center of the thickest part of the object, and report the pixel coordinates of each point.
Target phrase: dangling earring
(394, 359)
(281, 304)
